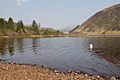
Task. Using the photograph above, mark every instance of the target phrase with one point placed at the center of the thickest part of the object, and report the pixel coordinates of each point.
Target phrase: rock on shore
(14, 71)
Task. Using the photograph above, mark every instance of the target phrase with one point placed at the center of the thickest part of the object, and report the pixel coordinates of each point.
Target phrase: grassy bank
(33, 36)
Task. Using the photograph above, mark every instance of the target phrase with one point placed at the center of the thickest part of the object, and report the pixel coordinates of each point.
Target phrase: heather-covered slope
(105, 22)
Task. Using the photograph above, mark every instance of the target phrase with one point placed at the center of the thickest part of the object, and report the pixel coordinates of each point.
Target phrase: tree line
(9, 27)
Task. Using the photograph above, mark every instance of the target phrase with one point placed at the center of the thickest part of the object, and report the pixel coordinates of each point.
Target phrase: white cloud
(20, 2)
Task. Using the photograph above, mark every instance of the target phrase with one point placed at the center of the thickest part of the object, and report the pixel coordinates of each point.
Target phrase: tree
(20, 26)
(2, 22)
(39, 25)
(46, 32)
(34, 24)
(35, 27)
(10, 23)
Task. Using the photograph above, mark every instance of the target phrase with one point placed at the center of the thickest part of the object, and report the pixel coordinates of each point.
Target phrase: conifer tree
(35, 27)
(11, 23)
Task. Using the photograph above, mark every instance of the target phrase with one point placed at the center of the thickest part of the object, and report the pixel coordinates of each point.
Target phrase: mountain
(67, 28)
(104, 22)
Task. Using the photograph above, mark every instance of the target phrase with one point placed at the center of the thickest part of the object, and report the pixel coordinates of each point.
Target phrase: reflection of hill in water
(109, 48)
(10, 45)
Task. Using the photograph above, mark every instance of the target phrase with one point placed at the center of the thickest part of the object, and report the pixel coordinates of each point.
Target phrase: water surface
(65, 53)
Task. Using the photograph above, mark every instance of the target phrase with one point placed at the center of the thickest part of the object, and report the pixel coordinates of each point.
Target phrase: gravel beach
(12, 71)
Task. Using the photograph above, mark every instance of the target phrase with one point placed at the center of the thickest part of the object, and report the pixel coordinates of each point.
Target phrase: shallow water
(65, 53)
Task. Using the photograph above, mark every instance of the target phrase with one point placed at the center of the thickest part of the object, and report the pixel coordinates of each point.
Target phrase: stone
(56, 71)
(113, 78)
(69, 71)
(13, 62)
(98, 76)
(92, 78)
(86, 75)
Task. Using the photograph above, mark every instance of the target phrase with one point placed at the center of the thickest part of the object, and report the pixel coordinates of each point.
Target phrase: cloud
(20, 2)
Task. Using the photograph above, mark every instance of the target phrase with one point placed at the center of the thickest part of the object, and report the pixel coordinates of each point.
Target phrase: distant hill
(104, 22)
(67, 28)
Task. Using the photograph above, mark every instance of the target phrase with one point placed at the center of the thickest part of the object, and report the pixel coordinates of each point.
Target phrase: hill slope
(105, 22)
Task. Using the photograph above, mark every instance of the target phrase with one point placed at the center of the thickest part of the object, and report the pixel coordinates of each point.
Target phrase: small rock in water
(13, 62)
(44, 66)
(77, 72)
(69, 71)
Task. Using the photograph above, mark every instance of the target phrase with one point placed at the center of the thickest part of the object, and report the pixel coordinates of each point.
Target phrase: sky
(58, 14)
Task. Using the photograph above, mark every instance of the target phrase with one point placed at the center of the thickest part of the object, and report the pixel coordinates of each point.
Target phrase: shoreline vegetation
(13, 71)
(33, 36)
(9, 28)
(64, 35)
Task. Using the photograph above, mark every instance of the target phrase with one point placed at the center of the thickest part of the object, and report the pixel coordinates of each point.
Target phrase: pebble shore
(13, 71)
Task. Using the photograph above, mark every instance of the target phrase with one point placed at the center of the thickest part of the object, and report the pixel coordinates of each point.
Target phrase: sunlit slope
(104, 22)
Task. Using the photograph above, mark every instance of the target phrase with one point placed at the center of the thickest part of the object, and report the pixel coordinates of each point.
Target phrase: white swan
(91, 46)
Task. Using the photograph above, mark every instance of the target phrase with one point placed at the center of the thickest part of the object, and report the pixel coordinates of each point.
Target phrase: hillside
(104, 22)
